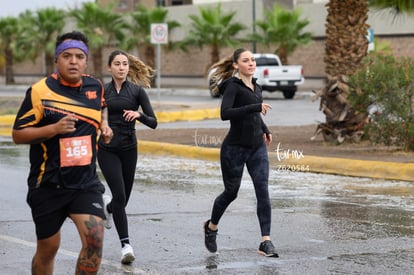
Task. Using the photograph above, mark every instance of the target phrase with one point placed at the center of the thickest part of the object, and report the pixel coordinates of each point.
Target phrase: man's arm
(31, 135)
(106, 131)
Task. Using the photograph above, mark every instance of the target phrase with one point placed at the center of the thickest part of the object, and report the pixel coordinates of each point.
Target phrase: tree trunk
(50, 63)
(346, 46)
(149, 53)
(214, 55)
(97, 64)
(283, 56)
(8, 54)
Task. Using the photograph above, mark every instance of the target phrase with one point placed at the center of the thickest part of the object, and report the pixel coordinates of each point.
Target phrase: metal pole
(158, 69)
(254, 23)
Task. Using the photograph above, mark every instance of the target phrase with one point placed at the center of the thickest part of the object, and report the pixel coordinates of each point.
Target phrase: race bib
(75, 151)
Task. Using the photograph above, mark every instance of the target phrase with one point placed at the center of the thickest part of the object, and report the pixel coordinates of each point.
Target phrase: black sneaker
(210, 238)
(267, 249)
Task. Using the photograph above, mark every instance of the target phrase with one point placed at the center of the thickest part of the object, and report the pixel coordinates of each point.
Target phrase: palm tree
(38, 32)
(103, 28)
(395, 6)
(140, 30)
(8, 31)
(346, 46)
(283, 28)
(215, 29)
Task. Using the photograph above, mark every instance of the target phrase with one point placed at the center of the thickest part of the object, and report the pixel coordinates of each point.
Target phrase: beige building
(399, 33)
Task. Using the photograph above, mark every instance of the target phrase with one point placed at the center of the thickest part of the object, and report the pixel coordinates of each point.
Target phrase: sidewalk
(199, 82)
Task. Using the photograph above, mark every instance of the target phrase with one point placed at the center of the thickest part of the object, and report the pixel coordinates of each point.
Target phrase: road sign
(371, 41)
(159, 33)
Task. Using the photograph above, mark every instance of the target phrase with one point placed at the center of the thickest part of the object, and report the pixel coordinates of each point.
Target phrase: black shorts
(50, 207)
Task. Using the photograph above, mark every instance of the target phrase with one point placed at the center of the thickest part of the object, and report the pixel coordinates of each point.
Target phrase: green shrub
(383, 88)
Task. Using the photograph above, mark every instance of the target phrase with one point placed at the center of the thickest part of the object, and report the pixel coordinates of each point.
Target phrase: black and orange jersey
(64, 161)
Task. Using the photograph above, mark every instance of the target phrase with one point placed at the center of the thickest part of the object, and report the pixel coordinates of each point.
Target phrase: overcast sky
(11, 8)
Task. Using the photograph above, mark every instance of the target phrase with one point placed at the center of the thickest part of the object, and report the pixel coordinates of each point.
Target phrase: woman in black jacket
(118, 159)
(245, 144)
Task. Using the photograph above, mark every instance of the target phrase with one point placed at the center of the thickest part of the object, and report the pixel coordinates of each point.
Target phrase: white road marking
(70, 253)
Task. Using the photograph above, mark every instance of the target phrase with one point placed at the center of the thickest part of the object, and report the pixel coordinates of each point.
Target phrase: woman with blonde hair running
(124, 95)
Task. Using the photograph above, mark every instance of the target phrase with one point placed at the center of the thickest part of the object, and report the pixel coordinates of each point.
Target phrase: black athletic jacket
(242, 107)
(130, 97)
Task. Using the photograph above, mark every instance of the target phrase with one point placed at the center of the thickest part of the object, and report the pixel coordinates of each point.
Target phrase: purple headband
(67, 44)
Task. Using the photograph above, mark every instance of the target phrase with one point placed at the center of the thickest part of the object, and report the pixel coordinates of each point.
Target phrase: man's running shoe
(267, 249)
(107, 222)
(210, 238)
(127, 254)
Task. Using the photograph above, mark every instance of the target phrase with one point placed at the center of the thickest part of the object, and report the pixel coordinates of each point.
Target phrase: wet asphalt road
(321, 224)
(299, 111)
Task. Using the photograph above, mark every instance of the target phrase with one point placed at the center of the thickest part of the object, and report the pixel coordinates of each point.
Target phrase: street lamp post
(254, 23)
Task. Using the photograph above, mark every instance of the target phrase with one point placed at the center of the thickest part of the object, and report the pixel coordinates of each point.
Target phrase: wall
(396, 31)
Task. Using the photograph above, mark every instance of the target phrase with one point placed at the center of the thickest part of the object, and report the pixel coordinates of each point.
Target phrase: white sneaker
(127, 254)
(107, 222)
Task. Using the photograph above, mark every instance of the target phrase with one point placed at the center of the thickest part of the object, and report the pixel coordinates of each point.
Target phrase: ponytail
(139, 72)
(222, 70)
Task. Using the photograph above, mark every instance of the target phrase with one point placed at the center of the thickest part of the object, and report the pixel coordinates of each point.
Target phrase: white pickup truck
(273, 76)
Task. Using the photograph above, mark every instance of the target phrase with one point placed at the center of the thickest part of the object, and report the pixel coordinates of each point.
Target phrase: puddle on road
(364, 221)
(301, 186)
(305, 188)
(356, 208)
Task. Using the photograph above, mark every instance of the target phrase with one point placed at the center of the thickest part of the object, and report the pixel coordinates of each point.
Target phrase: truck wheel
(269, 88)
(289, 94)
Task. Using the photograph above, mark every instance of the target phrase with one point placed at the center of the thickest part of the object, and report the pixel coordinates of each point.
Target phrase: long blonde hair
(223, 70)
(139, 73)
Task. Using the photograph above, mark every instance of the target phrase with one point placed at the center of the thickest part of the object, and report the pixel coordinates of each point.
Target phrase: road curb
(187, 115)
(162, 117)
(352, 167)
(315, 164)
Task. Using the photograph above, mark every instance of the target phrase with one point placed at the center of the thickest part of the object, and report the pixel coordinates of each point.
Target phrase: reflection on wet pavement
(321, 224)
(368, 223)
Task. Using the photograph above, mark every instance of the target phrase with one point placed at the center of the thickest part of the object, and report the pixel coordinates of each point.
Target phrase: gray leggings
(233, 158)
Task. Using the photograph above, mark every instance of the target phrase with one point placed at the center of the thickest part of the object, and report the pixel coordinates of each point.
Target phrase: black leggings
(118, 169)
(233, 158)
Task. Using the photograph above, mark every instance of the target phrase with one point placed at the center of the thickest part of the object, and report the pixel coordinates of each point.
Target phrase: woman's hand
(267, 138)
(130, 115)
(265, 108)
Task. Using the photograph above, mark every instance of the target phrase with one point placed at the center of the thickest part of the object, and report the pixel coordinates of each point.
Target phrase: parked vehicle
(273, 76)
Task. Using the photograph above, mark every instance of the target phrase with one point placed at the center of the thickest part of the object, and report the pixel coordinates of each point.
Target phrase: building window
(176, 3)
(167, 3)
(160, 3)
(123, 4)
